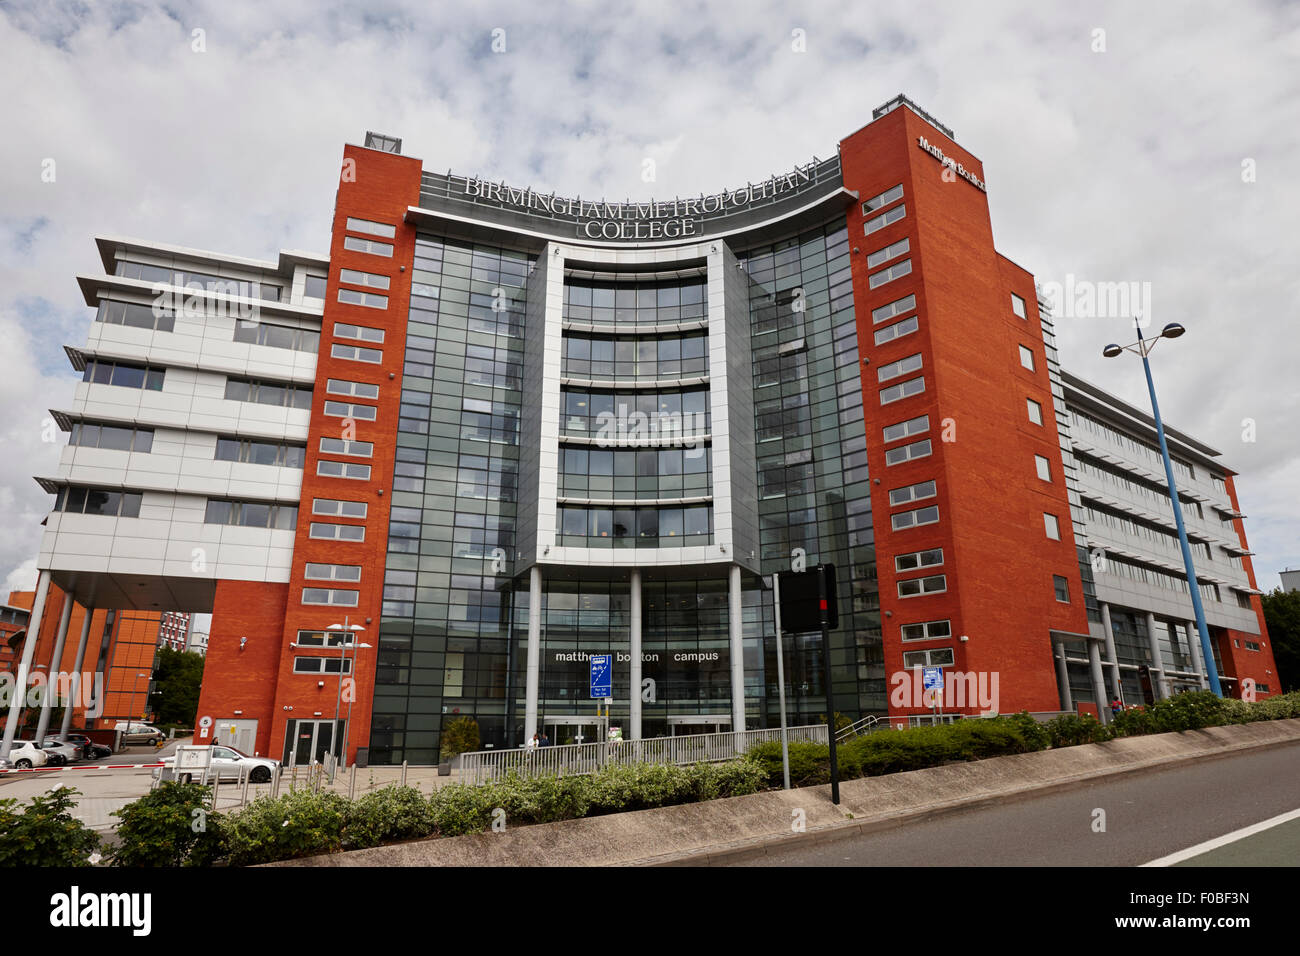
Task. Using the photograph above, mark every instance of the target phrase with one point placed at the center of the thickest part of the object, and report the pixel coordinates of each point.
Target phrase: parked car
(65, 749)
(99, 751)
(25, 755)
(84, 743)
(227, 763)
(134, 732)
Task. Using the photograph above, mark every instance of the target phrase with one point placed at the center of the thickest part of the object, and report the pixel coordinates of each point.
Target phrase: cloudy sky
(1151, 142)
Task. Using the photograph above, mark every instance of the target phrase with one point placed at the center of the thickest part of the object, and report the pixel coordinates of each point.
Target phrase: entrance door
(698, 724)
(308, 740)
(572, 730)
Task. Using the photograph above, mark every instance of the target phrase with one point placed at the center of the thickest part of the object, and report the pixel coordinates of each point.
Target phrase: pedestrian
(531, 746)
(1115, 706)
(544, 741)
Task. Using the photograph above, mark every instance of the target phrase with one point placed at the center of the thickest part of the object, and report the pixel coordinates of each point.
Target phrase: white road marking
(1233, 837)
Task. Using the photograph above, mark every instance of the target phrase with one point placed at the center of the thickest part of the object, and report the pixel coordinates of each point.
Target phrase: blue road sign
(602, 675)
(932, 678)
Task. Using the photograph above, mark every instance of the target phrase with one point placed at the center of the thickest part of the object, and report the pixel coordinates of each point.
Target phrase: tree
(177, 675)
(1282, 618)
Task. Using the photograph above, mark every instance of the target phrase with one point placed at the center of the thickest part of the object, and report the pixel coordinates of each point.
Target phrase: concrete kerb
(701, 833)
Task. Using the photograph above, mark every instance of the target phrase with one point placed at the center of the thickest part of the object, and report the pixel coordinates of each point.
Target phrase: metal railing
(573, 759)
(876, 723)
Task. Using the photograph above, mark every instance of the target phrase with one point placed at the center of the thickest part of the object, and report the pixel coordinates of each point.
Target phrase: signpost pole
(830, 698)
(780, 680)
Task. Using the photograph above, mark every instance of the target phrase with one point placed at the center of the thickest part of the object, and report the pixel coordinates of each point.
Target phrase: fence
(570, 759)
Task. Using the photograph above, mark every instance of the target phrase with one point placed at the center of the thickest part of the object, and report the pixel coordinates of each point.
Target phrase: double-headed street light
(1143, 347)
(347, 642)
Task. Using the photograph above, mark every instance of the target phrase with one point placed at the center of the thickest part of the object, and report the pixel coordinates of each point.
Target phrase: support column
(1063, 678)
(634, 649)
(1112, 660)
(25, 666)
(1198, 657)
(736, 630)
(1098, 683)
(534, 651)
(51, 675)
(75, 690)
(1159, 687)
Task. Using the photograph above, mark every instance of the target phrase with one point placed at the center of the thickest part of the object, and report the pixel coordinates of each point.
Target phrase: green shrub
(1132, 722)
(45, 833)
(809, 763)
(1070, 730)
(638, 787)
(1035, 735)
(166, 827)
(1190, 711)
(301, 823)
(734, 778)
(387, 815)
(461, 808)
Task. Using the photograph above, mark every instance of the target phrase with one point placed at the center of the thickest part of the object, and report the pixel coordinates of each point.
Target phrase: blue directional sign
(602, 676)
(932, 678)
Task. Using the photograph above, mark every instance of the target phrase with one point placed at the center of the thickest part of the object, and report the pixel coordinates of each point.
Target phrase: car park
(25, 755)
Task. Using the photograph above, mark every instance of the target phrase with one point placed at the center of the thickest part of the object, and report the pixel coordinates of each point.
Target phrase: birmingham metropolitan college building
(495, 432)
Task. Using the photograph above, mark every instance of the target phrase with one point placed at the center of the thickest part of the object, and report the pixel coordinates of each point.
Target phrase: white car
(25, 755)
(227, 763)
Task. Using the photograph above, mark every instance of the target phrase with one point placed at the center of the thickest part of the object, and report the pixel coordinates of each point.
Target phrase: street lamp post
(349, 630)
(1143, 347)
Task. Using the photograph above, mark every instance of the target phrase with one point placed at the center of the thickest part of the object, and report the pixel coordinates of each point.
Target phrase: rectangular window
(78, 499)
(371, 300)
(136, 316)
(342, 469)
(321, 639)
(935, 657)
(1062, 588)
(333, 572)
(351, 410)
(913, 386)
(913, 426)
(344, 331)
(315, 287)
(355, 353)
(1052, 526)
(268, 393)
(927, 631)
(333, 507)
(124, 375)
(917, 449)
(886, 312)
(322, 665)
(930, 558)
(356, 277)
(337, 532)
(1044, 467)
(901, 496)
(254, 452)
(897, 330)
(334, 596)
(1252, 645)
(896, 271)
(353, 244)
(901, 367)
(113, 437)
(276, 336)
(344, 446)
(1018, 305)
(1035, 411)
(891, 251)
(1026, 358)
(888, 217)
(915, 587)
(892, 194)
(337, 386)
(381, 229)
(914, 519)
(251, 514)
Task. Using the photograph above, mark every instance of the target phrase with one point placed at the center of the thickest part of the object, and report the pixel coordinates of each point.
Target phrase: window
(355, 353)
(337, 532)
(896, 271)
(913, 426)
(268, 393)
(353, 244)
(114, 437)
(897, 330)
(1026, 358)
(277, 336)
(124, 375)
(898, 307)
(1062, 588)
(314, 288)
(342, 469)
(1018, 305)
(1035, 411)
(341, 509)
(344, 446)
(254, 452)
(901, 496)
(136, 316)
(914, 587)
(918, 559)
(344, 331)
(1044, 467)
(1252, 645)
(914, 519)
(1052, 526)
(901, 367)
(892, 194)
(336, 386)
(935, 657)
(251, 514)
(381, 229)
(351, 410)
(913, 386)
(321, 638)
(917, 449)
(886, 218)
(355, 277)
(371, 300)
(322, 665)
(334, 596)
(109, 502)
(927, 631)
(891, 251)
(332, 572)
